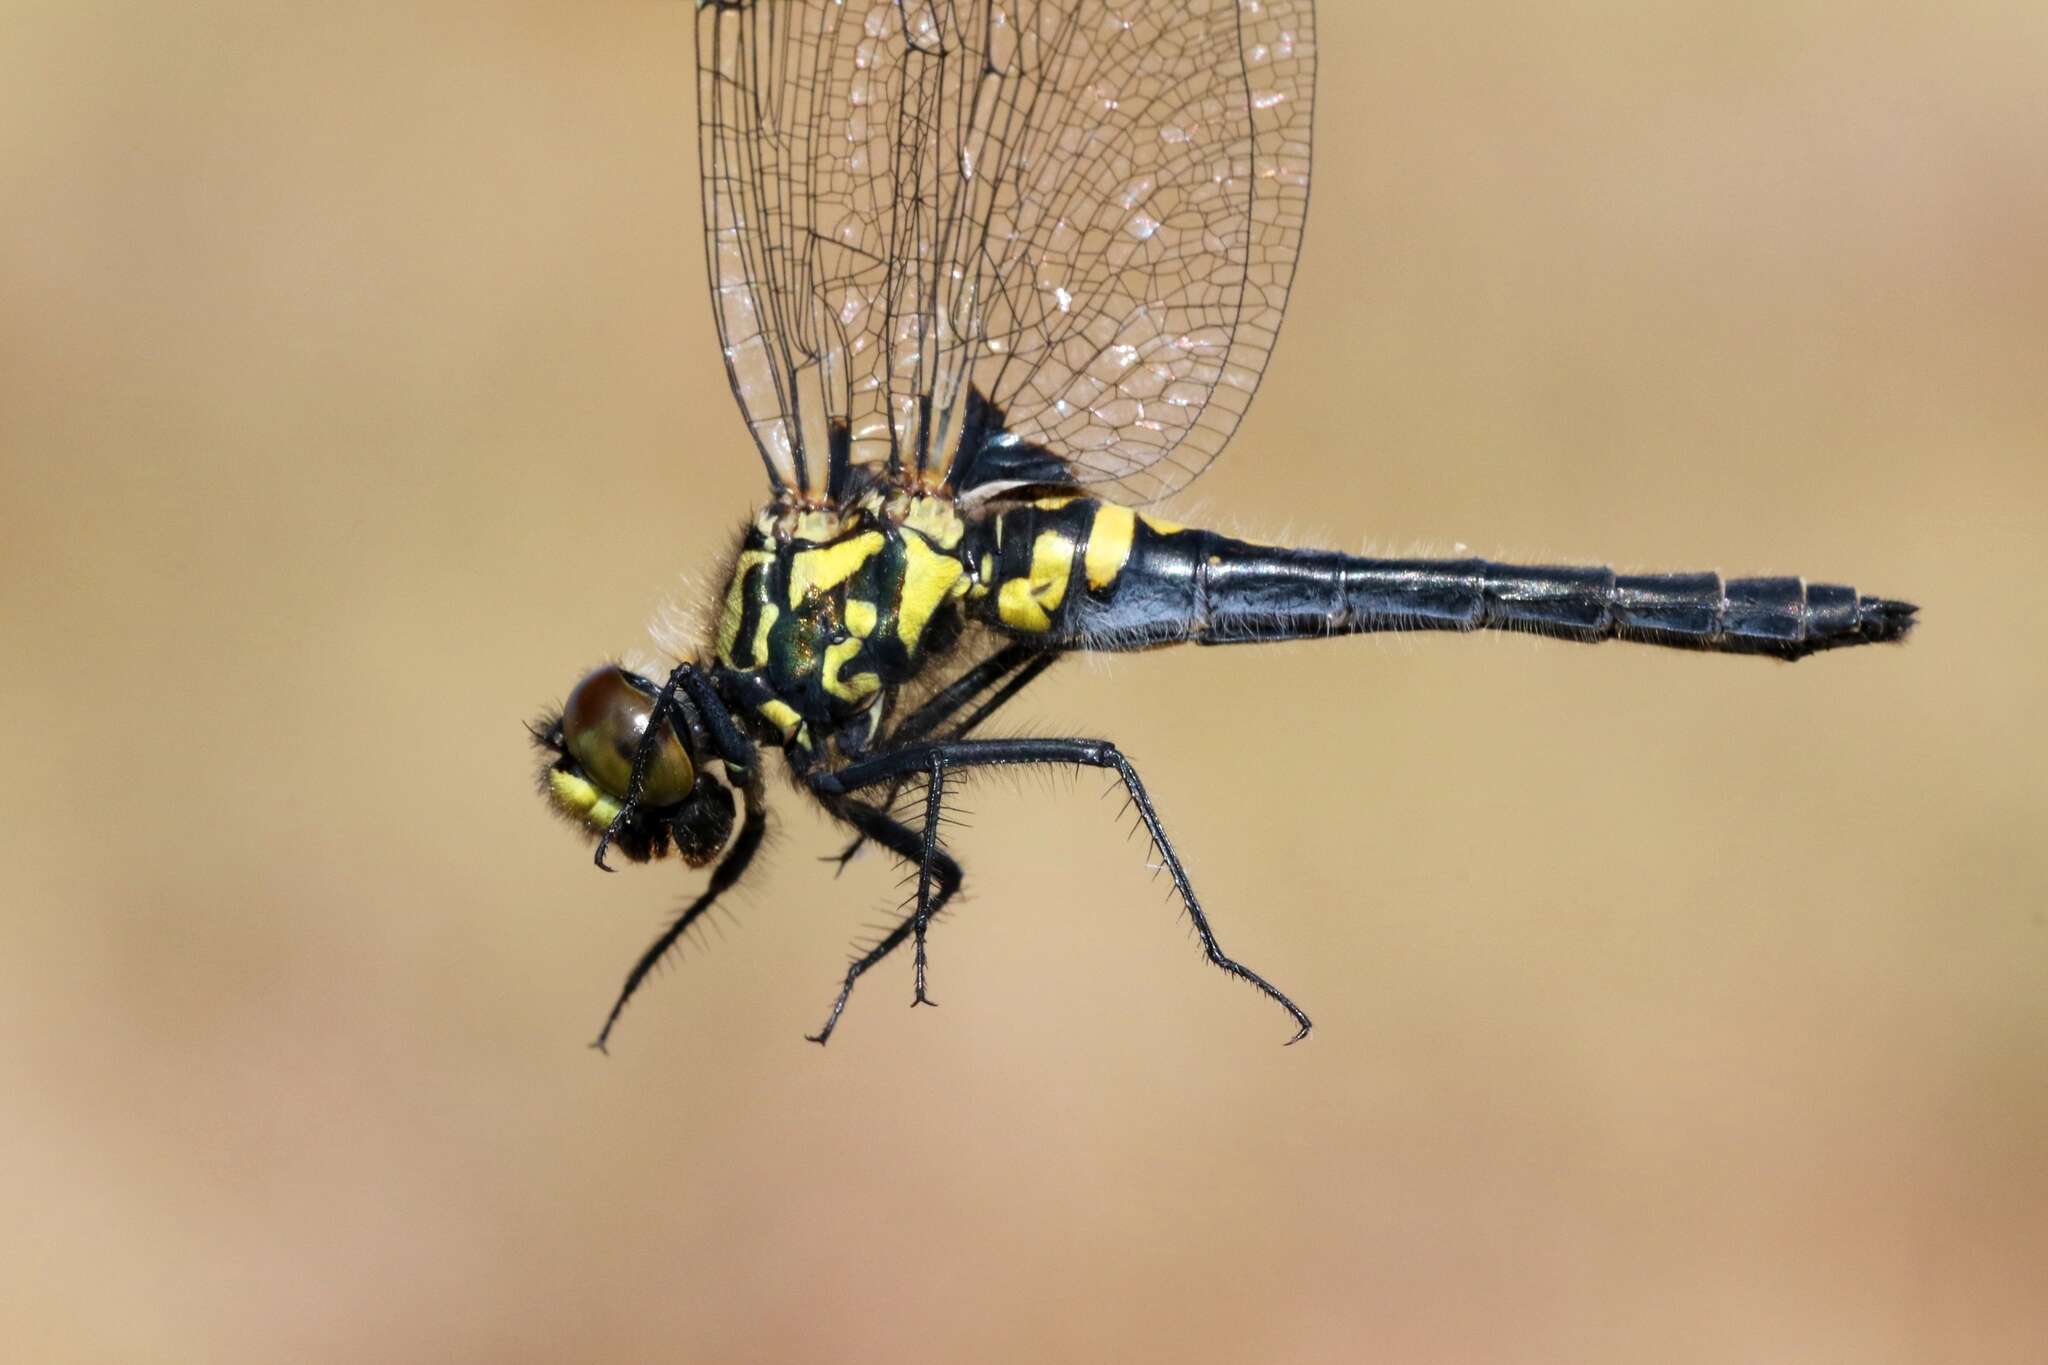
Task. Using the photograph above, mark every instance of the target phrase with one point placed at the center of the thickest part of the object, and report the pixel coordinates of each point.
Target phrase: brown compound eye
(602, 723)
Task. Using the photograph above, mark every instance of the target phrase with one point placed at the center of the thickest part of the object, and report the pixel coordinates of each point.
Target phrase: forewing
(1089, 212)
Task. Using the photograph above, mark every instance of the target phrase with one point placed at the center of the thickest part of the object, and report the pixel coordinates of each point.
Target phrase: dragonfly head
(586, 764)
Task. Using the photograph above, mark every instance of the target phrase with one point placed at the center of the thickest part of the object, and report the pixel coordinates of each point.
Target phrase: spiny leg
(729, 870)
(934, 797)
(906, 844)
(971, 684)
(954, 695)
(937, 755)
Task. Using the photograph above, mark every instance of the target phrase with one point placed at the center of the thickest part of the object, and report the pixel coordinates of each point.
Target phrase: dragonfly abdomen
(1781, 617)
(1086, 575)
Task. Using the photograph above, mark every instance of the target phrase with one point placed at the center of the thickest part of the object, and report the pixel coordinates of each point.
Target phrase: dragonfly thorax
(828, 610)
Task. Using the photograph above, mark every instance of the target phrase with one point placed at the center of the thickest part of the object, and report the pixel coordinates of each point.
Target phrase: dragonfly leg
(938, 878)
(941, 705)
(730, 869)
(934, 805)
(937, 756)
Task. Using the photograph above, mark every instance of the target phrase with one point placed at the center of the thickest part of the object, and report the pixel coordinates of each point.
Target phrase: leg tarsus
(1264, 987)
(904, 842)
(1200, 919)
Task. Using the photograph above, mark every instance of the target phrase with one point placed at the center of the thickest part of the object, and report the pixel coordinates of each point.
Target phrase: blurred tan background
(357, 391)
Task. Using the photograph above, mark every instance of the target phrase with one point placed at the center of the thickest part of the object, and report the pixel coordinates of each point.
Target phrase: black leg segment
(935, 757)
(1025, 661)
(938, 879)
(934, 806)
(729, 870)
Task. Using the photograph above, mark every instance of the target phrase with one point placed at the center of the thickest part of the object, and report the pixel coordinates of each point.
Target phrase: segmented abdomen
(1086, 575)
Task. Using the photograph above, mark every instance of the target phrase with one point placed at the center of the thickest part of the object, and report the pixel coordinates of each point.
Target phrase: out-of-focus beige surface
(357, 390)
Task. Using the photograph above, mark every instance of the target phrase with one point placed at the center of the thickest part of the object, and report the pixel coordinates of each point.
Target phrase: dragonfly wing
(1086, 213)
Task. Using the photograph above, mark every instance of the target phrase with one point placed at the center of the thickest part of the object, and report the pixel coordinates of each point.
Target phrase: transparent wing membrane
(1088, 213)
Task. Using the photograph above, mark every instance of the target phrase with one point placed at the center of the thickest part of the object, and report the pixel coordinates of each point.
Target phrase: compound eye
(602, 723)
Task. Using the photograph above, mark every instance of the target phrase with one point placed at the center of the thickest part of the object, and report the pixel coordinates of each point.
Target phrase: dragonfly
(990, 279)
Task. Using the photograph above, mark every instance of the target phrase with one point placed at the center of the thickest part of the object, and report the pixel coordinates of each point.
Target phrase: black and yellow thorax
(829, 610)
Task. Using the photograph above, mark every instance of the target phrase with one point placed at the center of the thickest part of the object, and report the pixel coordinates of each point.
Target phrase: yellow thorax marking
(1109, 544)
(852, 688)
(735, 604)
(769, 613)
(822, 569)
(928, 579)
(1027, 603)
(860, 617)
